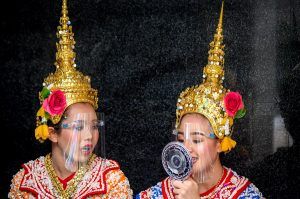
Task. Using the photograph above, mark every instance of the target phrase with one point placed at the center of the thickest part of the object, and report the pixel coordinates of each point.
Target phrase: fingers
(186, 183)
(177, 184)
(187, 189)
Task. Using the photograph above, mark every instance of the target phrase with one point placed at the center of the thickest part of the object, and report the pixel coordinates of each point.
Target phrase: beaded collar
(72, 185)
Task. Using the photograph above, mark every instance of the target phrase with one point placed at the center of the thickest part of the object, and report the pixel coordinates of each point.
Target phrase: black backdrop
(140, 55)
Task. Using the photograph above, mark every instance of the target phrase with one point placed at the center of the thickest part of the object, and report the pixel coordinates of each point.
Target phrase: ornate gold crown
(75, 86)
(208, 97)
(73, 83)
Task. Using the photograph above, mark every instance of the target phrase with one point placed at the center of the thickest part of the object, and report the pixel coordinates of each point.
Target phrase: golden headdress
(66, 85)
(211, 99)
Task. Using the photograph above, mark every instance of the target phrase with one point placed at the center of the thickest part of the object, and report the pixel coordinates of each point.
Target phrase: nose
(188, 145)
(87, 134)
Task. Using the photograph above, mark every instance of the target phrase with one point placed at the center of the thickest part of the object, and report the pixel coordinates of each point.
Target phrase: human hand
(187, 189)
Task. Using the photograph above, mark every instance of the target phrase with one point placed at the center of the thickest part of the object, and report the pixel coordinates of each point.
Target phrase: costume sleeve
(251, 192)
(15, 192)
(154, 192)
(117, 186)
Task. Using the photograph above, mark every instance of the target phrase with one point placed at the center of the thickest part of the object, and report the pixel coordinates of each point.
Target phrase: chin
(83, 157)
(202, 168)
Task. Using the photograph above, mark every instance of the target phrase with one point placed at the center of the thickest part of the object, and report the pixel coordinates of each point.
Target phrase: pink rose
(56, 103)
(233, 102)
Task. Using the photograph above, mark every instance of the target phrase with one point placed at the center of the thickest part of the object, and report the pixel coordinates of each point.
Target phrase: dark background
(141, 54)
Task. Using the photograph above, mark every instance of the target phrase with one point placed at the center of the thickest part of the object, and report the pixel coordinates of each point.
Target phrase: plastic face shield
(85, 136)
(192, 154)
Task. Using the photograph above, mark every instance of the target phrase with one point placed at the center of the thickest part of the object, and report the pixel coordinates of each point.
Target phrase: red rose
(56, 103)
(233, 102)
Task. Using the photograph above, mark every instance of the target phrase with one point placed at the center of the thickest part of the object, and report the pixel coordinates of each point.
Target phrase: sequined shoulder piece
(36, 180)
(231, 186)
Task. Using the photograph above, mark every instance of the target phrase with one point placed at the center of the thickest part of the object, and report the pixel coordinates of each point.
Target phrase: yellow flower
(227, 144)
(41, 132)
(41, 112)
(230, 121)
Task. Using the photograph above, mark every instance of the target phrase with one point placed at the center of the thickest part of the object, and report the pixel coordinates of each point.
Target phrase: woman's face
(79, 133)
(194, 131)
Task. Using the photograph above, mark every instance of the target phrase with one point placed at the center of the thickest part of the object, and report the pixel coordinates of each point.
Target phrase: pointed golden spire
(65, 56)
(207, 98)
(214, 72)
(75, 85)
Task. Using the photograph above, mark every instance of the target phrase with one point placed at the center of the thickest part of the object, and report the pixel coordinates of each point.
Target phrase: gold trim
(72, 185)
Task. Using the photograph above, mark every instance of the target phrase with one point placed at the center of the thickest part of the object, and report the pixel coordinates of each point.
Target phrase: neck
(215, 177)
(58, 163)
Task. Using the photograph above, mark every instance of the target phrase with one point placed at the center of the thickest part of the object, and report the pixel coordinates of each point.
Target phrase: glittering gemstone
(101, 123)
(44, 119)
(233, 180)
(215, 95)
(207, 91)
(174, 132)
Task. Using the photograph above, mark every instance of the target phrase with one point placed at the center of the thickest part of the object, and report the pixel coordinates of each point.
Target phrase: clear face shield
(85, 136)
(192, 154)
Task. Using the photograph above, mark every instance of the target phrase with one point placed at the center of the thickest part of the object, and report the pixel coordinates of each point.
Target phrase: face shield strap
(211, 135)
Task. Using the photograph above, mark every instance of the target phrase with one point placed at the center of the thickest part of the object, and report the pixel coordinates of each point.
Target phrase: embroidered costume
(34, 181)
(231, 186)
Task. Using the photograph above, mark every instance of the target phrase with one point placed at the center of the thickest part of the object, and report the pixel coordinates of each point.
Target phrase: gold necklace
(72, 185)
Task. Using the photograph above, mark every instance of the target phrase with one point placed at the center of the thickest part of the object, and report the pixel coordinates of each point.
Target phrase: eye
(95, 127)
(78, 127)
(197, 141)
(180, 140)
